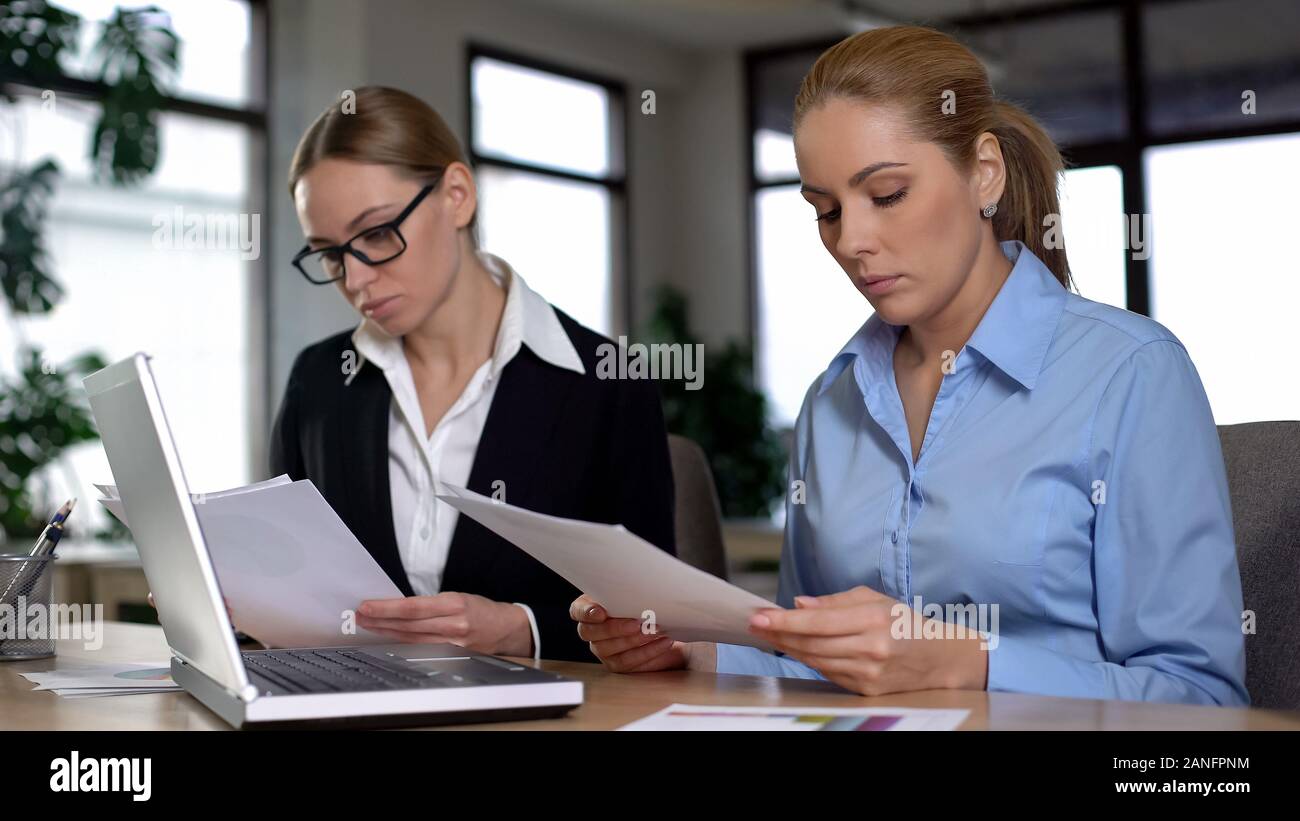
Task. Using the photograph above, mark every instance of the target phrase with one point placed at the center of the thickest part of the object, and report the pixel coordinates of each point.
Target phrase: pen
(45, 543)
(49, 538)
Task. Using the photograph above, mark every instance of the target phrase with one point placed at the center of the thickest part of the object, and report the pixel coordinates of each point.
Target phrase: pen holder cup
(26, 583)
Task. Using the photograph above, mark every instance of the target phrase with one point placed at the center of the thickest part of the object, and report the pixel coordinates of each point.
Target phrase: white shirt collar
(528, 319)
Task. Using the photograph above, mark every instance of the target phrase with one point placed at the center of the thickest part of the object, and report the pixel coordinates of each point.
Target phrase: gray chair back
(1263, 462)
(698, 514)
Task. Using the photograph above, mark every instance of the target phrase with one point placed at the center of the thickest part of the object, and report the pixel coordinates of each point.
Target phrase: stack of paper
(290, 569)
(799, 719)
(87, 680)
(113, 501)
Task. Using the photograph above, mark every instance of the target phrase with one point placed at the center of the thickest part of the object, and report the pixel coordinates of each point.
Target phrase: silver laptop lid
(128, 409)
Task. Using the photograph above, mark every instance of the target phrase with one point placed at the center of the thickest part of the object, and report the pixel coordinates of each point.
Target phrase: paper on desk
(798, 719)
(626, 574)
(87, 680)
(287, 564)
(103, 674)
(158, 679)
(85, 693)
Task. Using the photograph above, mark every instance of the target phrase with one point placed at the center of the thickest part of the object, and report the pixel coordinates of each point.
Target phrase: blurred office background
(600, 201)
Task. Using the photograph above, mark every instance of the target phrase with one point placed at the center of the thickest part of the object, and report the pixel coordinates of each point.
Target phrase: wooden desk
(611, 700)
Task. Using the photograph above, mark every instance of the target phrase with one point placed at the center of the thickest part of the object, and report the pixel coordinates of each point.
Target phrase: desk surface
(612, 700)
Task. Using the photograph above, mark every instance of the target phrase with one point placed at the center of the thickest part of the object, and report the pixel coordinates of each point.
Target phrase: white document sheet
(798, 719)
(104, 676)
(113, 502)
(95, 680)
(630, 577)
(287, 564)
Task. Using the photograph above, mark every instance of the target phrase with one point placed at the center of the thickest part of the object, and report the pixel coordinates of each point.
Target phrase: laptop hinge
(248, 695)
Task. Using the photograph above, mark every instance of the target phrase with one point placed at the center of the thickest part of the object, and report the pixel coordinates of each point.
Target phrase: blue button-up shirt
(1070, 475)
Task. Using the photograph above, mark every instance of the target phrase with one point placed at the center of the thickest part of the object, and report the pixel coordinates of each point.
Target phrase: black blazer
(564, 443)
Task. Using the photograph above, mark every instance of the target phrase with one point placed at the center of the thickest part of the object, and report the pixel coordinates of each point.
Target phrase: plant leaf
(43, 412)
(24, 275)
(137, 54)
(33, 34)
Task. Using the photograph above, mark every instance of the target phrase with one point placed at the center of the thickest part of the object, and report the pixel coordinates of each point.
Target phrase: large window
(136, 276)
(547, 146)
(809, 308)
(1096, 233)
(1155, 120)
(215, 35)
(1223, 279)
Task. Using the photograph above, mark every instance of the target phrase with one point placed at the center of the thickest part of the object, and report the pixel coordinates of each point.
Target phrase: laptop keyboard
(333, 671)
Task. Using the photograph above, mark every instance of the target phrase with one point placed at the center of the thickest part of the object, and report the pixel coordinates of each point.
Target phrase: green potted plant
(726, 416)
(42, 407)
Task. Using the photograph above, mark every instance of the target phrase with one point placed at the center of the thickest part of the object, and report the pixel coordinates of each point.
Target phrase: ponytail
(1029, 202)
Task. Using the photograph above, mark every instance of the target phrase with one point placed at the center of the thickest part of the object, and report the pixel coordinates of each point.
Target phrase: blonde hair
(381, 126)
(918, 70)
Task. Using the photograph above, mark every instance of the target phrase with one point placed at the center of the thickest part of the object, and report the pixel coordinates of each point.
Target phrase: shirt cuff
(532, 625)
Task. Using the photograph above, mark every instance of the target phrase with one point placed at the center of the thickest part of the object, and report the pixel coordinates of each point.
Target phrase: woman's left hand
(454, 618)
(849, 638)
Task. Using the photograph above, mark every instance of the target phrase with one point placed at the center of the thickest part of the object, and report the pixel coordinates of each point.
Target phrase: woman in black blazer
(458, 373)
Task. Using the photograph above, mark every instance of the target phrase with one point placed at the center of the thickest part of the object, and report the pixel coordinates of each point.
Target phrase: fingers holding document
(626, 645)
(621, 644)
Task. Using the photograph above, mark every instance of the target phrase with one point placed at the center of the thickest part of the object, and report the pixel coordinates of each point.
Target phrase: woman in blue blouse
(990, 449)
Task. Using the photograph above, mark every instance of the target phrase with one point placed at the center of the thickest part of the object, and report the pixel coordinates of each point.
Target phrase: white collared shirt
(417, 464)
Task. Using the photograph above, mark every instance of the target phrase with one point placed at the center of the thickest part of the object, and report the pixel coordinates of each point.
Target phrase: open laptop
(371, 685)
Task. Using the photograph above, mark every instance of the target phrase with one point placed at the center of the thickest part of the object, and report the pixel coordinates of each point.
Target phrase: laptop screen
(146, 467)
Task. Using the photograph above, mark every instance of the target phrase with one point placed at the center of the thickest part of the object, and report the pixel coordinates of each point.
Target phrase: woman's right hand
(624, 647)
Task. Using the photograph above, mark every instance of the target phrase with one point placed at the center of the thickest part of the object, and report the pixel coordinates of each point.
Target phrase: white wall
(712, 209)
(314, 56)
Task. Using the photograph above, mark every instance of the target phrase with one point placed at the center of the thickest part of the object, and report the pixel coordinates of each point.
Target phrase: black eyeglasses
(373, 246)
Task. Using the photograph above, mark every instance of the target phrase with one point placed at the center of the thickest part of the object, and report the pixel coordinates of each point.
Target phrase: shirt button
(893, 537)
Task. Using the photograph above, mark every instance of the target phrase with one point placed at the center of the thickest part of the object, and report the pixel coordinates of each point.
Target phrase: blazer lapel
(529, 400)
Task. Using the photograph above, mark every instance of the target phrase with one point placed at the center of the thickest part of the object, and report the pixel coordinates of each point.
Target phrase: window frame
(615, 182)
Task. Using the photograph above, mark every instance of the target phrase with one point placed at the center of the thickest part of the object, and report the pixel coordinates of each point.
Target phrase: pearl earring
(989, 210)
